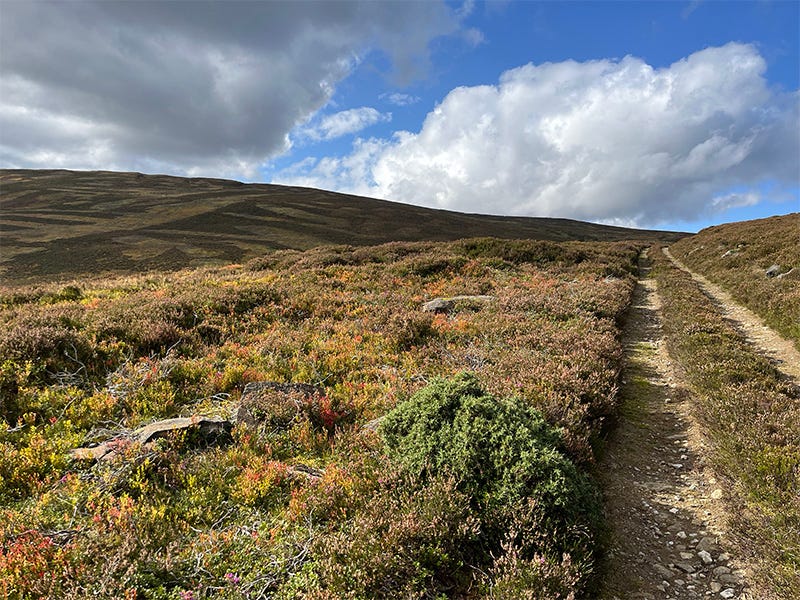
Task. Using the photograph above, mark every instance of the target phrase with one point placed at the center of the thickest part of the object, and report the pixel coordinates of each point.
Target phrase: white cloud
(400, 99)
(180, 87)
(612, 141)
(345, 122)
(735, 200)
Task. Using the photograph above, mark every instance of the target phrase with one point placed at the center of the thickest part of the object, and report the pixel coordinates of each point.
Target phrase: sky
(670, 115)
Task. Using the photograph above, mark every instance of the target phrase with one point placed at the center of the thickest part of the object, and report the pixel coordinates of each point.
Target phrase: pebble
(705, 557)
(728, 593)
(685, 567)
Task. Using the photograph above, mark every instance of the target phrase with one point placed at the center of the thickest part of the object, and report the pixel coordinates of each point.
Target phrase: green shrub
(506, 458)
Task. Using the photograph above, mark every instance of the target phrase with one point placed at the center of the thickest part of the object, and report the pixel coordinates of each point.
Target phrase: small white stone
(728, 593)
(705, 557)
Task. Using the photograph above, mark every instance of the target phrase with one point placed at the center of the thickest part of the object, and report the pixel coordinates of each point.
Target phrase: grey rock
(707, 544)
(443, 305)
(663, 571)
(208, 427)
(685, 567)
(773, 271)
(728, 593)
(705, 557)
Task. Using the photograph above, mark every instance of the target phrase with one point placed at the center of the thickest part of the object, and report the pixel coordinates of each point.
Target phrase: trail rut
(668, 537)
(781, 351)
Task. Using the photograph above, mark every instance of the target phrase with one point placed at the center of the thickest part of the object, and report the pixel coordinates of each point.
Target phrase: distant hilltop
(58, 224)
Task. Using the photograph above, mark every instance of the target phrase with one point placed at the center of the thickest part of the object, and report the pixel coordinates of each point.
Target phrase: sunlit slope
(738, 256)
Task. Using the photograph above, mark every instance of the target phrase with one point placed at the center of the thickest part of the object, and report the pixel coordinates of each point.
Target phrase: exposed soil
(666, 513)
(781, 351)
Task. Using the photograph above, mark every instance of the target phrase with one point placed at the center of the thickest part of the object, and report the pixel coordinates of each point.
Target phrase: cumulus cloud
(211, 87)
(611, 141)
(345, 122)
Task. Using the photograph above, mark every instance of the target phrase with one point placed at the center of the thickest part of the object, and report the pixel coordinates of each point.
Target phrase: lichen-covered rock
(773, 271)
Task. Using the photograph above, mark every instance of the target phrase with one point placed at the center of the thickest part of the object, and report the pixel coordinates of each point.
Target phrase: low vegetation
(751, 417)
(313, 497)
(737, 256)
(58, 224)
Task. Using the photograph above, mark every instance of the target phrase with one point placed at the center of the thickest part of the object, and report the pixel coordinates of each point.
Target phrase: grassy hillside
(473, 485)
(64, 224)
(736, 256)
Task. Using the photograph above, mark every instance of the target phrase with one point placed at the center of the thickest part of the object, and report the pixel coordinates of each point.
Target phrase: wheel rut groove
(782, 352)
(662, 503)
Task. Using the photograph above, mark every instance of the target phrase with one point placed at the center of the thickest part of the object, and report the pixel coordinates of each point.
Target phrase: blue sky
(673, 115)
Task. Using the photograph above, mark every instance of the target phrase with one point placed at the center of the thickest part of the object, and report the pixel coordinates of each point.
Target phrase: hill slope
(60, 224)
(737, 256)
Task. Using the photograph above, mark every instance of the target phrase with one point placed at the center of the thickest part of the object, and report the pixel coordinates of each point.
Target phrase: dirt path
(781, 351)
(662, 504)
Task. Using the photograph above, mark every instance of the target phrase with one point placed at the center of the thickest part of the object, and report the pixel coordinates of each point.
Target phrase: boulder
(444, 305)
(773, 271)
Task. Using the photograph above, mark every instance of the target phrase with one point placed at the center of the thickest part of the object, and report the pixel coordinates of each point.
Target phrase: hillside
(57, 224)
(737, 256)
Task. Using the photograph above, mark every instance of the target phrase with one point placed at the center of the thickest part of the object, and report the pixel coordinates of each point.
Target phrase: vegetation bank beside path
(752, 326)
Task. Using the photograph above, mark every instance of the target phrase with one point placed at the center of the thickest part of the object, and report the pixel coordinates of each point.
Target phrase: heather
(737, 256)
(313, 497)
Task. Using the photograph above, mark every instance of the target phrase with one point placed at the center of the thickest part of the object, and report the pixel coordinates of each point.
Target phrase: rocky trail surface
(664, 507)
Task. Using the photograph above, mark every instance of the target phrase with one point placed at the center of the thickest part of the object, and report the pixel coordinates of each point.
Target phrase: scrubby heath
(473, 485)
(736, 256)
(751, 419)
(59, 224)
